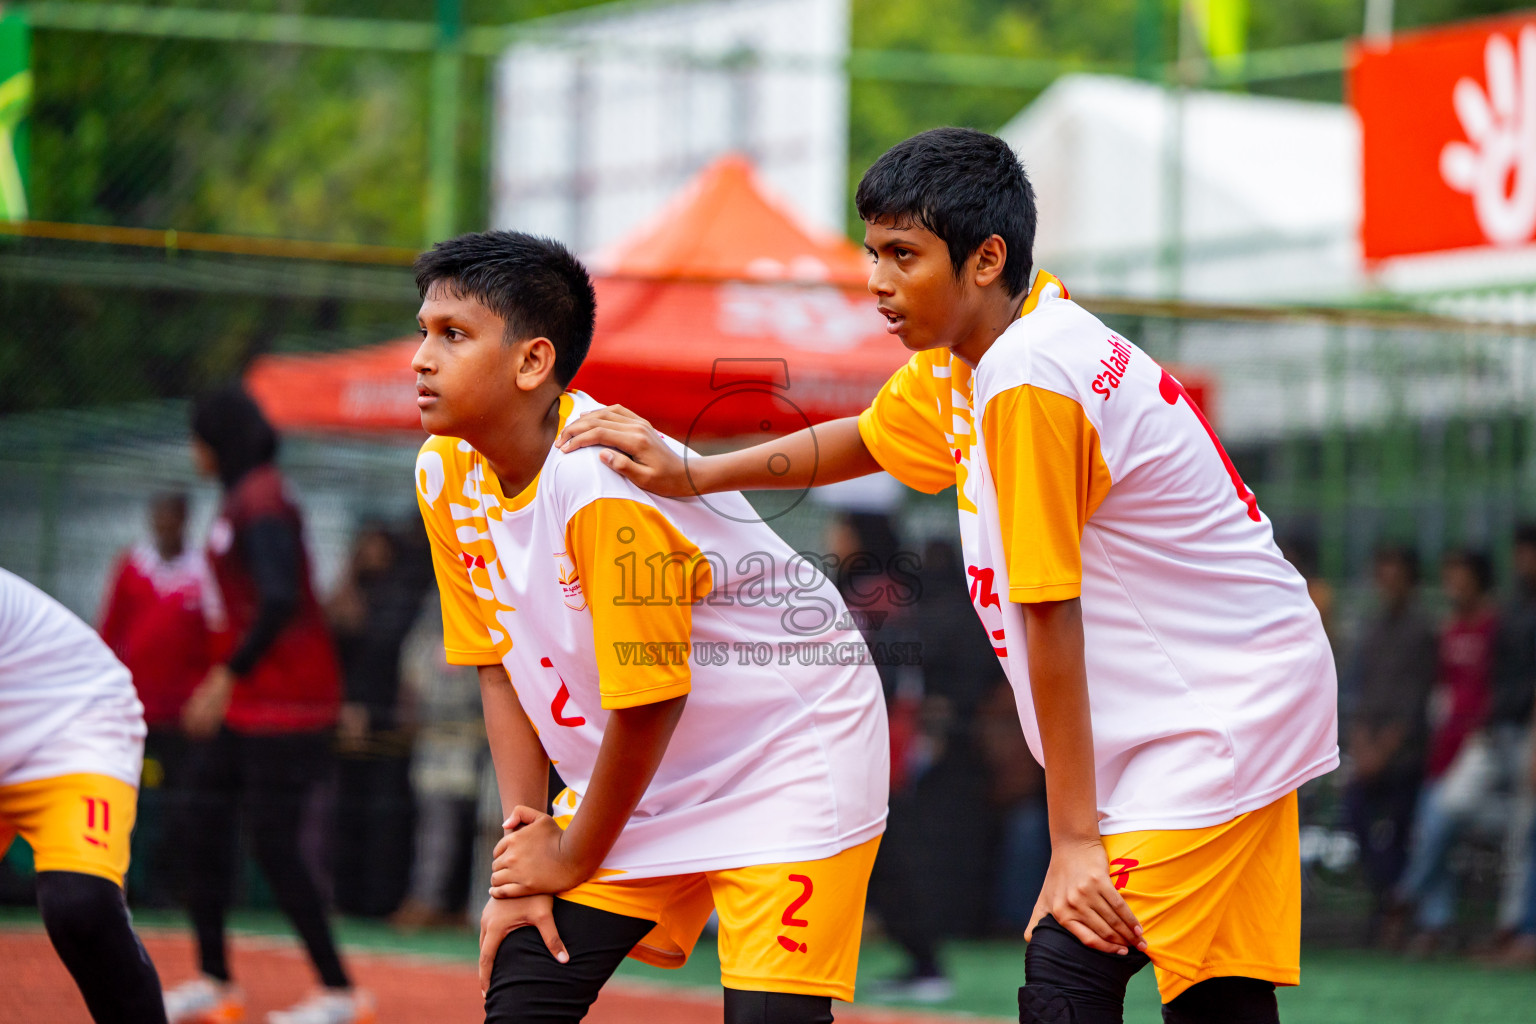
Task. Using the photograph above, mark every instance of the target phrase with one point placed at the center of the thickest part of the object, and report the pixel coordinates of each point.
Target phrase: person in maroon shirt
(158, 618)
(1457, 766)
(264, 716)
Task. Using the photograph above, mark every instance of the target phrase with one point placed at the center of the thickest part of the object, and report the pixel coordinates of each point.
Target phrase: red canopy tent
(724, 316)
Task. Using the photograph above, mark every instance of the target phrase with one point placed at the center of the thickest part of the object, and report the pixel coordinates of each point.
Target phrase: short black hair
(533, 283)
(964, 186)
(1475, 562)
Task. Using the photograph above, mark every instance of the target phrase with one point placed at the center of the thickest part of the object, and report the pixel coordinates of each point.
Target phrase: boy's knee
(529, 986)
(1225, 1001)
(76, 906)
(1065, 982)
(743, 1007)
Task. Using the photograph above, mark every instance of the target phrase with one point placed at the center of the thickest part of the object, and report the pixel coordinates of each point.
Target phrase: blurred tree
(329, 144)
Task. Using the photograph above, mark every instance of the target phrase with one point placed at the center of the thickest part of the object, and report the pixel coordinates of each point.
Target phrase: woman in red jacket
(264, 716)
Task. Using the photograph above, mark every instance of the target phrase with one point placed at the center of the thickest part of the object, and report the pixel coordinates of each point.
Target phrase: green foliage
(315, 143)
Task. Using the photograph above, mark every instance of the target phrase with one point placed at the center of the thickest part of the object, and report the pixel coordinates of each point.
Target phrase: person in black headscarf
(262, 721)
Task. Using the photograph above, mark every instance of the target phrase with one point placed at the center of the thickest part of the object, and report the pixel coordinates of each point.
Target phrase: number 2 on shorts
(789, 920)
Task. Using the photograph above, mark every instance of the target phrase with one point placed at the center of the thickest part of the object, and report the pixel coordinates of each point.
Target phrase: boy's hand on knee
(502, 917)
(1078, 893)
(531, 858)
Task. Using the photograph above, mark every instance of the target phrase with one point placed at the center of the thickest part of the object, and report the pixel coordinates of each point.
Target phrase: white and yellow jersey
(598, 596)
(67, 705)
(1083, 470)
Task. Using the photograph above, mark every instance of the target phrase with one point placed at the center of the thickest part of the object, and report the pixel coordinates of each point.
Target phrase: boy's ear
(537, 364)
(988, 260)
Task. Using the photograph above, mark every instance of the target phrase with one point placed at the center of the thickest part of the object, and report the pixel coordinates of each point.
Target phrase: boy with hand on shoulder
(609, 628)
(1171, 674)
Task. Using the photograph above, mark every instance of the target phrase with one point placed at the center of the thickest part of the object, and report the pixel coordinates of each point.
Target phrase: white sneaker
(928, 989)
(204, 1000)
(347, 1006)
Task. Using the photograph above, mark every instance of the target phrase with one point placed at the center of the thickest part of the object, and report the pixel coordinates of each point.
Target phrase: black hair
(964, 186)
(230, 422)
(177, 499)
(533, 283)
(1301, 551)
(1525, 534)
(1402, 554)
(1475, 562)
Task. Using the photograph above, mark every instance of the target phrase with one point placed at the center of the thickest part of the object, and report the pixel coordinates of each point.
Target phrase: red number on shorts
(1120, 870)
(790, 920)
(92, 803)
(1172, 391)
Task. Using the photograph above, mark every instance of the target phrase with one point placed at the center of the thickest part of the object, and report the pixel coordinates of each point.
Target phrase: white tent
(1268, 210)
(604, 113)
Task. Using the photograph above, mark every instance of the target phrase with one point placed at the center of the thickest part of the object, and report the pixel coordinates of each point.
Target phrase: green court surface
(1338, 987)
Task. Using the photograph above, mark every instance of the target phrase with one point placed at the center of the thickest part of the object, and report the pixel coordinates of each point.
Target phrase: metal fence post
(443, 131)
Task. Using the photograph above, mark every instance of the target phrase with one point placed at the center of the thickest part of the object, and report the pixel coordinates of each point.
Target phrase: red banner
(1448, 123)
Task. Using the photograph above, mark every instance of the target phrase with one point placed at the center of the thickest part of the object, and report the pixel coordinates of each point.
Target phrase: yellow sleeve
(904, 427)
(641, 578)
(1050, 477)
(466, 640)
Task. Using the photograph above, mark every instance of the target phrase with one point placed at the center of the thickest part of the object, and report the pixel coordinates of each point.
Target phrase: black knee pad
(743, 1007)
(529, 986)
(74, 905)
(87, 922)
(1225, 1001)
(1065, 982)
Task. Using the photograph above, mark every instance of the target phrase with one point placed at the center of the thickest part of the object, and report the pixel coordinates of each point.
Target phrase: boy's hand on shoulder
(641, 456)
(1078, 893)
(531, 858)
(502, 917)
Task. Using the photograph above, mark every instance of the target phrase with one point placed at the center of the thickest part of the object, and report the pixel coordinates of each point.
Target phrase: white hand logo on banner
(1496, 166)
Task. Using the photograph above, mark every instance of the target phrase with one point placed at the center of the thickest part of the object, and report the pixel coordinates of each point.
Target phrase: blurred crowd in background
(1437, 683)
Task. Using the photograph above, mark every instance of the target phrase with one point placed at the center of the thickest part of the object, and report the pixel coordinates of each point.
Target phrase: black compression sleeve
(88, 924)
(270, 548)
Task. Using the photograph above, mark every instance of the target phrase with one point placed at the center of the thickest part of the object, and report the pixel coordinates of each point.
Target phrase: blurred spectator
(1510, 740)
(371, 612)
(1509, 737)
(1018, 792)
(156, 618)
(1521, 951)
(1393, 669)
(939, 812)
(446, 762)
(1459, 769)
(263, 719)
(1301, 552)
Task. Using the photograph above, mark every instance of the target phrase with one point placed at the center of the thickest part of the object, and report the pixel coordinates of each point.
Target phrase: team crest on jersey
(570, 582)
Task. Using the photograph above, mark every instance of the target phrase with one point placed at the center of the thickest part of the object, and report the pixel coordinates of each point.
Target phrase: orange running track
(409, 989)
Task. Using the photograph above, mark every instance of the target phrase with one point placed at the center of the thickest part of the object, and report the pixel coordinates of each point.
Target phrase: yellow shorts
(791, 928)
(73, 822)
(1216, 902)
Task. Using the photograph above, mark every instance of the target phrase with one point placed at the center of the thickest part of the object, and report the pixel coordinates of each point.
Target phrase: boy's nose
(420, 362)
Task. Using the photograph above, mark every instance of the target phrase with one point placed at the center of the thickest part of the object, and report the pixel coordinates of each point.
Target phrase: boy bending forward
(646, 647)
(1172, 675)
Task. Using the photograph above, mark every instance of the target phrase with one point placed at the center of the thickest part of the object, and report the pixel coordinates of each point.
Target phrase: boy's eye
(900, 253)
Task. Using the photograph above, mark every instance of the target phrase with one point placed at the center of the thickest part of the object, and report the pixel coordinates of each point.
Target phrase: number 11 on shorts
(98, 816)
